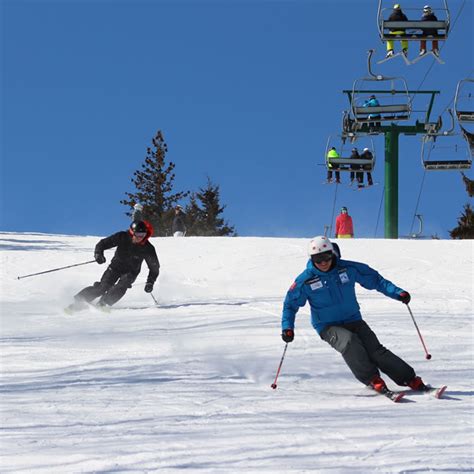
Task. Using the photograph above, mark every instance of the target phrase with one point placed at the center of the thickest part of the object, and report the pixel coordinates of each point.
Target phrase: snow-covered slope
(185, 386)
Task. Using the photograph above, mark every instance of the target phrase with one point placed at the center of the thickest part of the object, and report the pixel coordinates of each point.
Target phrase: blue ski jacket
(331, 295)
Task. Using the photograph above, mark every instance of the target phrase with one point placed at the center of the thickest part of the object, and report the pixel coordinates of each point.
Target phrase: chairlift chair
(345, 162)
(413, 30)
(430, 144)
(464, 101)
(392, 94)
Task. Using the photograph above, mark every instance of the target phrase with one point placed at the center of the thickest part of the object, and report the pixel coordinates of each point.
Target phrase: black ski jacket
(128, 257)
(429, 17)
(397, 15)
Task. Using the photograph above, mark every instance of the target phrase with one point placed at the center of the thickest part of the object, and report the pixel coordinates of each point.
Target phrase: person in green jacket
(332, 153)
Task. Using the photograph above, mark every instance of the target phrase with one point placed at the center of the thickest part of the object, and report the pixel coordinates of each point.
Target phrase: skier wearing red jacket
(344, 226)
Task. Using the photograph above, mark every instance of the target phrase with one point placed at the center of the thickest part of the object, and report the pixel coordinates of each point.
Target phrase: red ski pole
(274, 384)
(428, 355)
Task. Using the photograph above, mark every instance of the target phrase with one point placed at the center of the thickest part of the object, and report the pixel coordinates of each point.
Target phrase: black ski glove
(149, 287)
(404, 297)
(99, 258)
(288, 335)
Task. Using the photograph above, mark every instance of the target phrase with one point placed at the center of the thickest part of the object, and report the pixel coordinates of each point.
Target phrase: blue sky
(245, 92)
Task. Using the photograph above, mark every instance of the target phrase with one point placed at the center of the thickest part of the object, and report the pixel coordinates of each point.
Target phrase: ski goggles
(139, 235)
(322, 257)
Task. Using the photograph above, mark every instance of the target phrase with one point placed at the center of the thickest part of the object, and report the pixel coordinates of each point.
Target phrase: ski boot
(418, 385)
(378, 384)
(78, 305)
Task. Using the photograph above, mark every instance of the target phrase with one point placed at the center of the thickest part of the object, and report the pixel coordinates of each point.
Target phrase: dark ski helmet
(138, 227)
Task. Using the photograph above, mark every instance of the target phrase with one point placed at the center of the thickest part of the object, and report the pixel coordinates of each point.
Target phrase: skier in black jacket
(428, 15)
(397, 15)
(132, 248)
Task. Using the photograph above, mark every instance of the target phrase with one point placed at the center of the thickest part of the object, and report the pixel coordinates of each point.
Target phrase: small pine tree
(204, 219)
(465, 228)
(154, 184)
(194, 217)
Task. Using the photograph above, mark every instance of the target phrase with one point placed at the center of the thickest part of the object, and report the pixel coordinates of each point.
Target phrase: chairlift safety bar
(417, 33)
(349, 161)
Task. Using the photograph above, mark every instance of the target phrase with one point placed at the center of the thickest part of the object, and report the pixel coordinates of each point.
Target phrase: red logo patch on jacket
(293, 286)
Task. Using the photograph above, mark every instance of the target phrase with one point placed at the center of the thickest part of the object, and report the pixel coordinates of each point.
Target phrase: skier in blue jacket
(328, 284)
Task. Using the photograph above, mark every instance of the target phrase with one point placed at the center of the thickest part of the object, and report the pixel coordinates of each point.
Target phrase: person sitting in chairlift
(428, 15)
(367, 155)
(332, 153)
(372, 102)
(397, 15)
(355, 168)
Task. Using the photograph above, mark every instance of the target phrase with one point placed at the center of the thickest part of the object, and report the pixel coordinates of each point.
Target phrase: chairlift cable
(471, 72)
(380, 211)
(418, 201)
(333, 209)
(441, 48)
(451, 101)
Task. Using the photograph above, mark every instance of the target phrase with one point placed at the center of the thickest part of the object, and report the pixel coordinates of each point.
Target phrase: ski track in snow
(185, 385)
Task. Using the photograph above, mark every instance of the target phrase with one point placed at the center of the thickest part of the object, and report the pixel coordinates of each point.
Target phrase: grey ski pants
(364, 354)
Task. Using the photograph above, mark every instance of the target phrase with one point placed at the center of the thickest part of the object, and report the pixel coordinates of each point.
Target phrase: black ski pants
(111, 287)
(364, 354)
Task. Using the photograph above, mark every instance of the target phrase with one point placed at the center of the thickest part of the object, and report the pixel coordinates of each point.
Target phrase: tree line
(154, 190)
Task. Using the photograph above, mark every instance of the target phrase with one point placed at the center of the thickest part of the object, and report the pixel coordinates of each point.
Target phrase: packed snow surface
(185, 385)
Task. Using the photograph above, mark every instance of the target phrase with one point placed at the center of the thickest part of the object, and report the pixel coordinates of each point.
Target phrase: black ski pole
(428, 355)
(274, 384)
(154, 299)
(55, 269)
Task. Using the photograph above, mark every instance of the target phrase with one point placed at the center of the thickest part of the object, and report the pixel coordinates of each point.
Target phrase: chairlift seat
(447, 165)
(465, 116)
(382, 109)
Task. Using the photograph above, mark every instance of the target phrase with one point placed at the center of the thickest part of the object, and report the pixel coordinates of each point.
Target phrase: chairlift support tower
(391, 132)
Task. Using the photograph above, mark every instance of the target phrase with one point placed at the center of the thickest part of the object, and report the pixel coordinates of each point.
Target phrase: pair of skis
(436, 392)
(414, 61)
(354, 187)
(360, 187)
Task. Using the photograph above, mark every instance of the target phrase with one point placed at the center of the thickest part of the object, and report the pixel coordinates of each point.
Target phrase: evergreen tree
(205, 218)
(154, 185)
(194, 217)
(465, 228)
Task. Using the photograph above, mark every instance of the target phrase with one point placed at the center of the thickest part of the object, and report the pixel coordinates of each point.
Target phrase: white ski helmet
(138, 207)
(319, 244)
